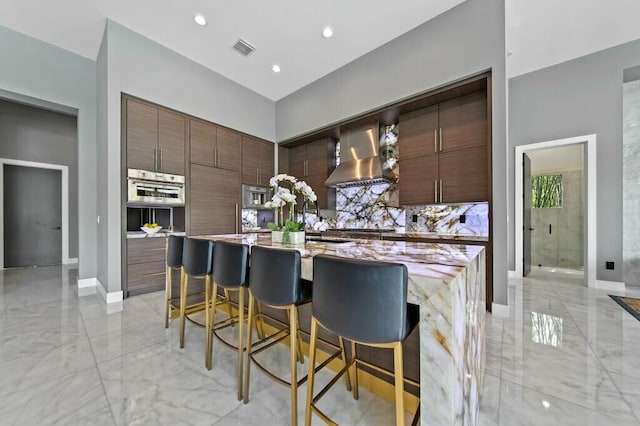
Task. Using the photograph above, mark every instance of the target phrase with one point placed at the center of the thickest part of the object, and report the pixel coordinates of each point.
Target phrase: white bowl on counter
(151, 230)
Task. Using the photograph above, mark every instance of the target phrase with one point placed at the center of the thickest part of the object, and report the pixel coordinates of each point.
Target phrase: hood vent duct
(364, 160)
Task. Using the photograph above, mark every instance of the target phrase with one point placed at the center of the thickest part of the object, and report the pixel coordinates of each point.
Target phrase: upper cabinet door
(202, 142)
(171, 140)
(318, 158)
(142, 136)
(250, 160)
(228, 145)
(283, 160)
(266, 160)
(464, 122)
(298, 161)
(418, 133)
(419, 180)
(464, 175)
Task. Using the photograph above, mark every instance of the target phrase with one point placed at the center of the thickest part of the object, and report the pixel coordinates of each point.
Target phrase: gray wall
(143, 68)
(34, 134)
(578, 97)
(102, 169)
(463, 41)
(34, 69)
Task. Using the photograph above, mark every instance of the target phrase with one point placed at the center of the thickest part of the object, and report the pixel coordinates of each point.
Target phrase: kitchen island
(447, 282)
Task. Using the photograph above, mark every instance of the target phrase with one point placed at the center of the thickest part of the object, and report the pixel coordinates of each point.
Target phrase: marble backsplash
(449, 219)
(376, 206)
(369, 206)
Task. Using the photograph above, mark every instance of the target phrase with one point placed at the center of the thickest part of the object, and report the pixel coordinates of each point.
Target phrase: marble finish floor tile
(567, 355)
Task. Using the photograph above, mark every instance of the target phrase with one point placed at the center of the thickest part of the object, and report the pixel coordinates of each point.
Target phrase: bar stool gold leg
(212, 320)
(311, 374)
(229, 308)
(240, 341)
(295, 352)
(260, 324)
(167, 293)
(207, 295)
(344, 360)
(298, 337)
(249, 338)
(184, 283)
(354, 369)
(399, 383)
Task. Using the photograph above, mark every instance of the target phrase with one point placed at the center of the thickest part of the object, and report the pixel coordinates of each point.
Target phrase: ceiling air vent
(244, 47)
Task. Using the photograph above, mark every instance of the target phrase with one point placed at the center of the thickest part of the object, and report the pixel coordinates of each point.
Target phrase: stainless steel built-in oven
(255, 197)
(146, 188)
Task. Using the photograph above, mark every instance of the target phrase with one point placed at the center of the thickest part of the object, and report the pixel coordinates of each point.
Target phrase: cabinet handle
(217, 157)
(155, 159)
(435, 191)
(160, 150)
(435, 140)
(237, 232)
(257, 177)
(440, 139)
(440, 190)
(156, 274)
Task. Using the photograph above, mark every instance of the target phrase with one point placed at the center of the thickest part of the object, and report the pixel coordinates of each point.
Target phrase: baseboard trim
(87, 282)
(500, 311)
(109, 297)
(512, 274)
(610, 285)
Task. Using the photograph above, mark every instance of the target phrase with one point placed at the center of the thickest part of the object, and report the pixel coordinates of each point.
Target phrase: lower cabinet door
(145, 277)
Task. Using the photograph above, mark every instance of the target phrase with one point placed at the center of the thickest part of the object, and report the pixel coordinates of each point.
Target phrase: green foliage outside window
(546, 191)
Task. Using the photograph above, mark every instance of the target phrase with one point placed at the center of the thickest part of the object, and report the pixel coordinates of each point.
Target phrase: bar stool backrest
(230, 264)
(365, 301)
(175, 246)
(196, 257)
(275, 276)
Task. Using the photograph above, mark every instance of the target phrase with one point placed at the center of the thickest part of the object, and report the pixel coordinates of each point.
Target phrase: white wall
(140, 67)
(33, 71)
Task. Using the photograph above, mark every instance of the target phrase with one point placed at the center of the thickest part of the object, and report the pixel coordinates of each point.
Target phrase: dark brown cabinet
(214, 146)
(283, 159)
(257, 161)
(155, 138)
(214, 196)
(146, 269)
(313, 162)
(444, 152)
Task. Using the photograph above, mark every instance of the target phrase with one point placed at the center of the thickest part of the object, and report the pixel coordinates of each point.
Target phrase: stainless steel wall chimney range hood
(360, 163)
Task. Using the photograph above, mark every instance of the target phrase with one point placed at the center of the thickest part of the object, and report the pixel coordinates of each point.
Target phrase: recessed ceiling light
(200, 19)
(275, 68)
(327, 32)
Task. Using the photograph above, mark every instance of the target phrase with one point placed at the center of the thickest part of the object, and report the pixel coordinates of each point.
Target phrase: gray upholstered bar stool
(275, 281)
(231, 272)
(174, 263)
(196, 263)
(365, 302)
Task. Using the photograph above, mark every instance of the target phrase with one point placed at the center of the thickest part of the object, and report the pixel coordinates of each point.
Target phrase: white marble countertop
(430, 260)
(159, 234)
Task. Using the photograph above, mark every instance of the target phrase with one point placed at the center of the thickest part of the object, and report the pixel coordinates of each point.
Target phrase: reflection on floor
(568, 355)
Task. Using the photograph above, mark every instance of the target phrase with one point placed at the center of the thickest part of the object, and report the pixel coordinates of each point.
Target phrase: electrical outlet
(414, 218)
(610, 265)
(463, 218)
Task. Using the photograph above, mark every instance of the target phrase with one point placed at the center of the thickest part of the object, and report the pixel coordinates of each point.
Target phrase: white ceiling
(561, 158)
(541, 33)
(287, 32)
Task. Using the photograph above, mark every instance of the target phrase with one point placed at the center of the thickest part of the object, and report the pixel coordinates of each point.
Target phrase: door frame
(590, 191)
(65, 204)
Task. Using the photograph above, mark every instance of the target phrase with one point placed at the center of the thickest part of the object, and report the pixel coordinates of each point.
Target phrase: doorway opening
(34, 214)
(556, 209)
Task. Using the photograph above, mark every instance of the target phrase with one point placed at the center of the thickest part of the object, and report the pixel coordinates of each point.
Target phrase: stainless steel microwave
(255, 197)
(154, 189)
